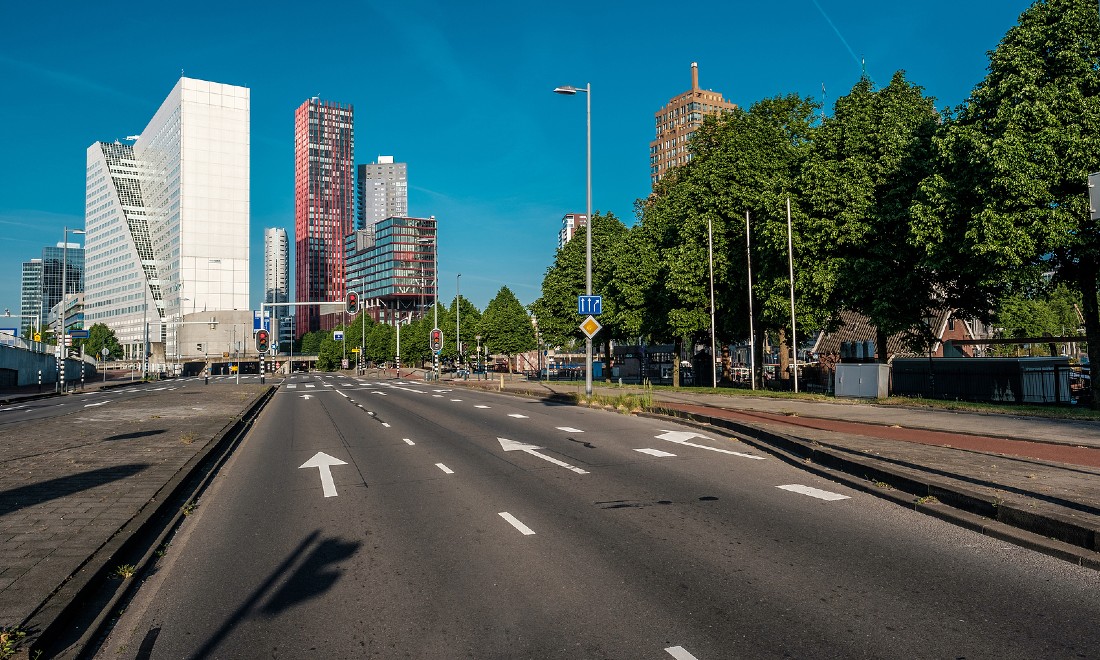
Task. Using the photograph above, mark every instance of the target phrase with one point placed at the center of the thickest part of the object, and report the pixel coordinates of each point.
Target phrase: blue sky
(459, 91)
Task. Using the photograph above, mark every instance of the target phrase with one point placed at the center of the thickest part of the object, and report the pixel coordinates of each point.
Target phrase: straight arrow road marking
(682, 437)
(569, 429)
(446, 470)
(680, 653)
(655, 452)
(524, 529)
(307, 397)
(814, 492)
(323, 462)
(512, 445)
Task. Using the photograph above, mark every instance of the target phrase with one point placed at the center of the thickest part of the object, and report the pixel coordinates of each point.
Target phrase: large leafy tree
(100, 336)
(1009, 201)
(505, 326)
(859, 183)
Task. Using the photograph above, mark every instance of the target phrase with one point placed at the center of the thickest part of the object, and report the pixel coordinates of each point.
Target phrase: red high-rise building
(324, 208)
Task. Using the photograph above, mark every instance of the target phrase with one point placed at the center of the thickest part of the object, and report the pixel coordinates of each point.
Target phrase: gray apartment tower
(382, 191)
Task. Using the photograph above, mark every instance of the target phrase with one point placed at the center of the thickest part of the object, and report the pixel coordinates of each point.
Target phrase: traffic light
(436, 339)
(352, 302)
(263, 341)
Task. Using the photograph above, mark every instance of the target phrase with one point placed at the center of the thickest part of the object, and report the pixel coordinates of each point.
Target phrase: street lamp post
(458, 327)
(434, 242)
(571, 90)
(64, 286)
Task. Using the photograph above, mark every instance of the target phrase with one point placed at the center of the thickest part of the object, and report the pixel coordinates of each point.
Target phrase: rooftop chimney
(694, 75)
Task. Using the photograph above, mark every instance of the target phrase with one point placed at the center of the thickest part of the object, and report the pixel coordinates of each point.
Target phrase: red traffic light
(352, 301)
(436, 338)
(263, 341)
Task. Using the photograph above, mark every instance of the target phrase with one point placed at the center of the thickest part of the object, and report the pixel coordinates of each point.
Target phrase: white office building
(277, 275)
(570, 223)
(383, 192)
(167, 217)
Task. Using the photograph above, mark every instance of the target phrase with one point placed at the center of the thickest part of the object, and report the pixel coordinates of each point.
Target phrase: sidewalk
(78, 489)
(1028, 480)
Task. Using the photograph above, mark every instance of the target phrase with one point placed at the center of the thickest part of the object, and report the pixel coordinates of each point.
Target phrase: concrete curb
(71, 617)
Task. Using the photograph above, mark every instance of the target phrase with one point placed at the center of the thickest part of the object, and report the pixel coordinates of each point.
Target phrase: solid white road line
(409, 442)
(680, 653)
(655, 452)
(341, 394)
(446, 470)
(524, 529)
(518, 416)
(813, 492)
(569, 429)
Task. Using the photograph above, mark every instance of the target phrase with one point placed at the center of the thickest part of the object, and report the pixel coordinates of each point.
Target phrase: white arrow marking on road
(307, 396)
(446, 470)
(814, 492)
(682, 437)
(524, 529)
(518, 416)
(569, 429)
(92, 405)
(512, 445)
(323, 462)
(655, 452)
(680, 653)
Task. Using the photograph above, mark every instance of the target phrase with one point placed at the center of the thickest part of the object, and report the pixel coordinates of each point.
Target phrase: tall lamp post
(434, 242)
(64, 287)
(458, 327)
(571, 90)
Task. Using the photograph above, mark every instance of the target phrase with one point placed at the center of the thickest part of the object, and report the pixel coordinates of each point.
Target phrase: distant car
(463, 373)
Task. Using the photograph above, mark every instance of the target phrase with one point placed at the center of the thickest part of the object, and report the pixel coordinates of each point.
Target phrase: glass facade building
(394, 267)
(30, 298)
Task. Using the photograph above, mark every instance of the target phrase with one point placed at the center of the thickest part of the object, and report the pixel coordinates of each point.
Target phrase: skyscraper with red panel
(324, 208)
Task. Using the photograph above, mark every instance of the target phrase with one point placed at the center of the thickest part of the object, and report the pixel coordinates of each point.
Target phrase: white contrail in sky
(838, 34)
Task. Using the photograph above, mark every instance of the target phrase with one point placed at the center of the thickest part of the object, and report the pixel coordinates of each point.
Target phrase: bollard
(81, 375)
(261, 368)
(39, 380)
(502, 381)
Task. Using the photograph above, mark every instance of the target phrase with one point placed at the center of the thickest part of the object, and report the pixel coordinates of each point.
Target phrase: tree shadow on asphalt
(136, 434)
(44, 491)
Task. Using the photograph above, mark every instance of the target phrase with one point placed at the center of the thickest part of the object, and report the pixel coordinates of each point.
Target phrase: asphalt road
(470, 524)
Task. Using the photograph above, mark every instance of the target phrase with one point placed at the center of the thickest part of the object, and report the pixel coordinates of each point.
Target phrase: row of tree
(504, 328)
(898, 210)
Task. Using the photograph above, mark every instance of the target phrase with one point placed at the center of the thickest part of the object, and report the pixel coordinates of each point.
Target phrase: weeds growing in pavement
(10, 640)
(927, 499)
(126, 571)
(188, 508)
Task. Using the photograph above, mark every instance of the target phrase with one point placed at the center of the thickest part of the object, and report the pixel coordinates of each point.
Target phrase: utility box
(867, 380)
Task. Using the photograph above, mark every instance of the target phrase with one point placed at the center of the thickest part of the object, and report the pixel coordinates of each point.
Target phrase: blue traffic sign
(590, 305)
(80, 334)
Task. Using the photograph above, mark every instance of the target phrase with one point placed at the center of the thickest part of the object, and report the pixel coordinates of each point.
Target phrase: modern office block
(570, 223)
(324, 203)
(167, 217)
(30, 298)
(277, 276)
(394, 268)
(382, 191)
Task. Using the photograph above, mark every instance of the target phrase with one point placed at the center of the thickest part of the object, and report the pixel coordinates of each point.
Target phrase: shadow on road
(135, 434)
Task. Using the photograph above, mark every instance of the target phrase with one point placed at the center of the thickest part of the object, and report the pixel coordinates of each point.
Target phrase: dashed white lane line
(655, 452)
(438, 396)
(569, 429)
(456, 399)
(386, 424)
(446, 470)
(680, 653)
(311, 385)
(518, 416)
(408, 442)
(92, 405)
(382, 393)
(481, 406)
(814, 492)
(341, 394)
(524, 529)
(292, 386)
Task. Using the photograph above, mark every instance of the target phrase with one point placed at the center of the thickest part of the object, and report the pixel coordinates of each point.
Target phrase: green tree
(100, 336)
(1009, 199)
(859, 184)
(311, 342)
(505, 326)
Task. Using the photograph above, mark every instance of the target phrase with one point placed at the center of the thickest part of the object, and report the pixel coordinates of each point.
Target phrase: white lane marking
(680, 653)
(341, 394)
(569, 429)
(446, 470)
(385, 424)
(518, 416)
(524, 529)
(512, 445)
(438, 396)
(323, 462)
(382, 393)
(347, 384)
(307, 397)
(441, 390)
(328, 384)
(814, 492)
(292, 386)
(655, 452)
(408, 442)
(481, 406)
(682, 437)
(456, 399)
(311, 385)
(92, 405)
